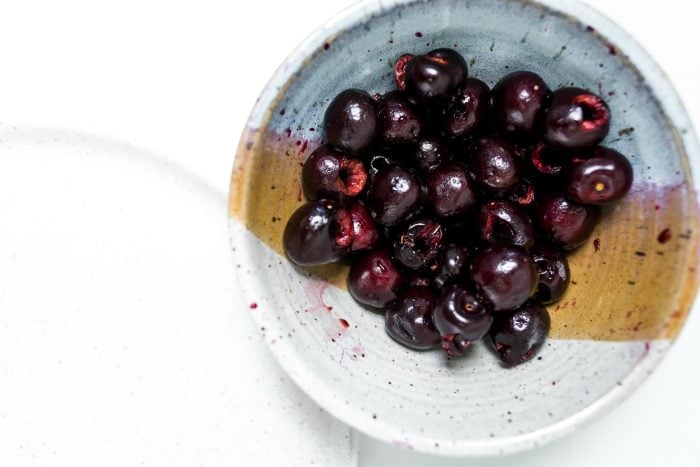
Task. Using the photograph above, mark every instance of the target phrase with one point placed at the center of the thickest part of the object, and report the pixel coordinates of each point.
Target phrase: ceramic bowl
(633, 286)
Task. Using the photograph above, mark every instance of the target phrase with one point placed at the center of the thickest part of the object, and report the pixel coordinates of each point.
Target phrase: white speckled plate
(631, 292)
(122, 338)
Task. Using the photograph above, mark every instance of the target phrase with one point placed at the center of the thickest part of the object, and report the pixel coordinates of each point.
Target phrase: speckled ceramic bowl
(631, 292)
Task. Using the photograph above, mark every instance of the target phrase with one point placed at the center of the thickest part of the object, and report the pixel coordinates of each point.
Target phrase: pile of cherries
(456, 203)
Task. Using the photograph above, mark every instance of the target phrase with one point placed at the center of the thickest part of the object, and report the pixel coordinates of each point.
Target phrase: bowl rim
(316, 387)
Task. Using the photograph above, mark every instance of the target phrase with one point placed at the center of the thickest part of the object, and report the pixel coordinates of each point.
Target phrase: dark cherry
(548, 160)
(518, 335)
(576, 118)
(493, 165)
(524, 194)
(504, 222)
(409, 320)
(400, 71)
(431, 152)
(434, 75)
(399, 122)
(419, 243)
(460, 316)
(519, 102)
(374, 279)
(395, 195)
(466, 110)
(450, 189)
(452, 264)
(604, 177)
(318, 232)
(328, 174)
(365, 232)
(350, 121)
(505, 275)
(563, 222)
(553, 270)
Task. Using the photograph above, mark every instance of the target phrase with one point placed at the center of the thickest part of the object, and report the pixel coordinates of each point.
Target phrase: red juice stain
(299, 194)
(637, 326)
(612, 50)
(554, 383)
(249, 145)
(304, 146)
(288, 131)
(657, 207)
(589, 29)
(314, 292)
(596, 245)
(664, 236)
(312, 129)
(298, 142)
(629, 313)
(282, 112)
(344, 323)
(419, 34)
(326, 46)
(253, 306)
(611, 93)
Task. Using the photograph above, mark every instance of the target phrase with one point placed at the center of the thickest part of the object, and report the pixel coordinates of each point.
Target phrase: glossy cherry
(494, 166)
(318, 232)
(605, 176)
(518, 335)
(399, 122)
(461, 317)
(451, 191)
(519, 102)
(409, 319)
(350, 121)
(564, 222)
(576, 118)
(395, 195)
(374, 279)
(434, 75)
(505, 275)
(328, 174)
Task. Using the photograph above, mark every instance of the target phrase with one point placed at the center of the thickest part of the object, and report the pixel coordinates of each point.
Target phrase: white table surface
(179, 78)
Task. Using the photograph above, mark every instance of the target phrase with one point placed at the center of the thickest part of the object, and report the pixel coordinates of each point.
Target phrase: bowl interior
(631, 292)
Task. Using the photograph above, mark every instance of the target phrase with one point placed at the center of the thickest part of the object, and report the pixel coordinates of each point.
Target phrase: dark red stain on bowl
(326, 46)
(314, 292)
(664, 236)
(253, 306)
(344, 323)
(283, 111)
(612, 50)
(596, 245)
(419, 34)
(304, 146)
